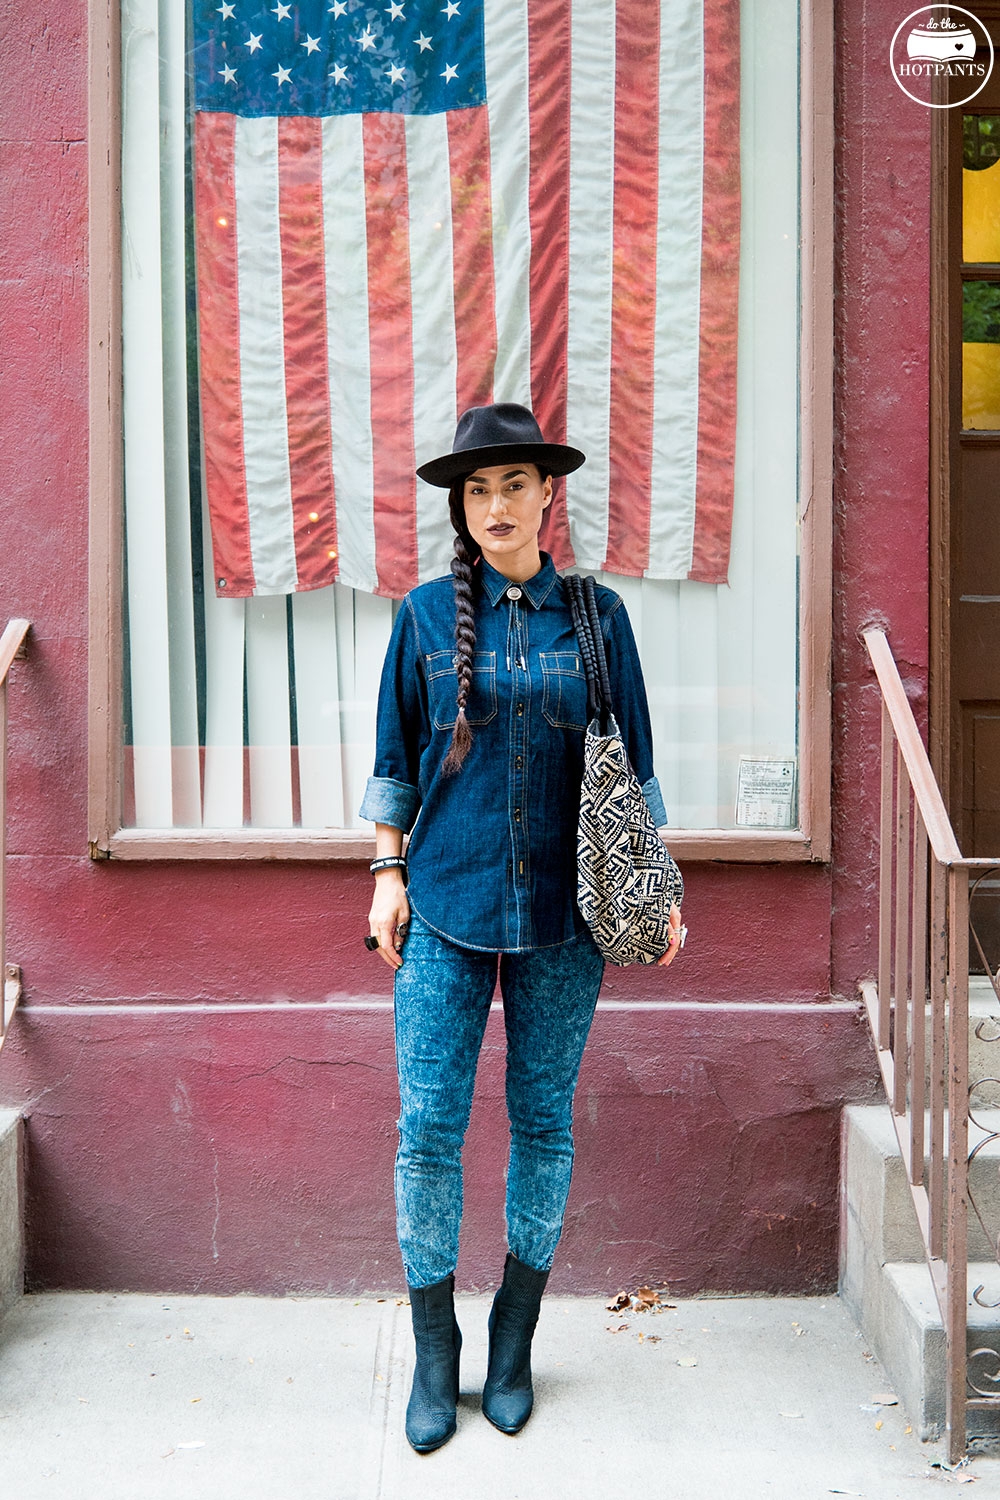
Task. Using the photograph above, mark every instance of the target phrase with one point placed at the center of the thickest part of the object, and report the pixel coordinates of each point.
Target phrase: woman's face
(504, 505)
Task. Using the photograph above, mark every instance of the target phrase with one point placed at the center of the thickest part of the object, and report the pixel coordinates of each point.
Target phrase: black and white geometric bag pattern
(627, 879)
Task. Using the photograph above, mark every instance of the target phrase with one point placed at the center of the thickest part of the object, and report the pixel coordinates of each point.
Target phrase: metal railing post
(956, 1343)
(11, 646)
(3, 857)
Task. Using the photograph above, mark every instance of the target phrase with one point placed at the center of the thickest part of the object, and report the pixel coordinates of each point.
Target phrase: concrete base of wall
(235, 1149)
(11, 1210)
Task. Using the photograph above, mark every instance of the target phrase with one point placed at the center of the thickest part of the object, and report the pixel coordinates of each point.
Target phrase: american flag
(403, 209)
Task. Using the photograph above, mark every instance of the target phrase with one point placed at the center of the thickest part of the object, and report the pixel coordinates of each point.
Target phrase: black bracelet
(388, 862)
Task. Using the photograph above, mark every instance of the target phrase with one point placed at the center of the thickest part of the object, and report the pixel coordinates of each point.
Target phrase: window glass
(256, 709)
(981, 299)
(981, 354)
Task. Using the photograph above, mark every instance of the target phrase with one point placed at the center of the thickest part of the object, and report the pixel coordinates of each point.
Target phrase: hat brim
(558, 458)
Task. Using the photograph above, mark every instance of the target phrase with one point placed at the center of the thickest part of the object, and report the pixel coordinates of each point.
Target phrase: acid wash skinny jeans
(442, 1002)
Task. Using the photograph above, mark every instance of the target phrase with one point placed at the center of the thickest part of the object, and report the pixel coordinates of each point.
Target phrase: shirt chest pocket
(564, 690)
(442, 688)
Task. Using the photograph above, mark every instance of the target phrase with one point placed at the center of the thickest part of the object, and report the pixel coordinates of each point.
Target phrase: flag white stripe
(506, 25)
(432, 303)
(262, 357)
(678, 292)
(346, 255)
(591, 246)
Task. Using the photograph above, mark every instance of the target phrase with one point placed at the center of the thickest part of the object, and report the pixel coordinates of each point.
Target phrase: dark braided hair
(467, 554)
(463, 568)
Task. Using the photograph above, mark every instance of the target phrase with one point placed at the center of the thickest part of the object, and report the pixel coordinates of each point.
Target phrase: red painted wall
(707, 1142)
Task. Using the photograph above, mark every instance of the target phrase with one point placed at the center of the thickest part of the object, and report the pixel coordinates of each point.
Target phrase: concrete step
(11, 1210)
(884, 1280)
(900, 1321)
(984, 1050)
(877, 1210)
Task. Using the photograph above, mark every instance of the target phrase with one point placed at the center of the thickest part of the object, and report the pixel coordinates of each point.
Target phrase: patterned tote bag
(627, 880)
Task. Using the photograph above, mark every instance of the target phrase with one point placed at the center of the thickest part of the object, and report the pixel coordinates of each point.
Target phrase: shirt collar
(536, 589)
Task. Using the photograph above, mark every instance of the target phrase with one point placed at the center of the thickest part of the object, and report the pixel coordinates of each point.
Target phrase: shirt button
(520, 709)
(517, 815)
(518, 762)
(513, 593)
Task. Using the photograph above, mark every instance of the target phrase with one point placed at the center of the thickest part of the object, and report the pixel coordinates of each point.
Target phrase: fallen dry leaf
(646, 1299)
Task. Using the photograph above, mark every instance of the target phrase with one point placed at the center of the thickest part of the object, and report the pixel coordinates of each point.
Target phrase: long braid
(467, 554)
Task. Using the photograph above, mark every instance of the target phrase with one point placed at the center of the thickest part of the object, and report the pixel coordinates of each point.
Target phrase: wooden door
(973, 132)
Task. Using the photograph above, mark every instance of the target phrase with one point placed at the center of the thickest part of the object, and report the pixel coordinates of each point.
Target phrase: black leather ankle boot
(507, 1394)
(430, 1413)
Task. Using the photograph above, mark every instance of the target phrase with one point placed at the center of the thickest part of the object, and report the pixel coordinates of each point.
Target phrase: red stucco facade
(205, 1056)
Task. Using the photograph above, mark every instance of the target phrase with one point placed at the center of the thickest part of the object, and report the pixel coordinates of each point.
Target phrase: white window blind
(261, 712)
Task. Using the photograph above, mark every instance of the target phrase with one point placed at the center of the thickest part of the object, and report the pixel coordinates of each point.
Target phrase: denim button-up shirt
(492, 858)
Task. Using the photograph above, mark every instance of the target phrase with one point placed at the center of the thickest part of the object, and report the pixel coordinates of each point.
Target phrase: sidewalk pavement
(206, 1398)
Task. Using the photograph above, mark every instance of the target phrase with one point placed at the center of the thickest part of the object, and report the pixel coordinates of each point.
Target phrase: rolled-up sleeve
(392, 794)
(628, 691)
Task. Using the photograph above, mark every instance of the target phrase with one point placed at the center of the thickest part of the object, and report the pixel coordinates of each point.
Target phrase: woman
(481, 720)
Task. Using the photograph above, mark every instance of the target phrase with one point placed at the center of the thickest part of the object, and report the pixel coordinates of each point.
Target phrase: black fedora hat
(492, 434)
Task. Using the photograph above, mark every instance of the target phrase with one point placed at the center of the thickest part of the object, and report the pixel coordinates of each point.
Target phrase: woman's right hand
(389, 916)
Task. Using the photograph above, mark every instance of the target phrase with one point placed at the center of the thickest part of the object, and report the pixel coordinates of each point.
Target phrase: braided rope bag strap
(627, 880)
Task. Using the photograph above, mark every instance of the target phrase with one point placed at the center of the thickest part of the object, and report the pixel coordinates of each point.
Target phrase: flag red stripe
(472, 255)
(307, 399)
(219, 352)
(720, 274)
(633, 289)
(549, 44)
(391, 343)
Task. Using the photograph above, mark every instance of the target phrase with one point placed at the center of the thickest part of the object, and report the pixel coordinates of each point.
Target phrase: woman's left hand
(675, 938)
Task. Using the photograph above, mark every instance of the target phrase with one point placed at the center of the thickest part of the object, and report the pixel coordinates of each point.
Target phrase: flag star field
(319, 58)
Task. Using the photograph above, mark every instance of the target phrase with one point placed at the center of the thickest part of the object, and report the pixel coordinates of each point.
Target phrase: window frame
(108, 839)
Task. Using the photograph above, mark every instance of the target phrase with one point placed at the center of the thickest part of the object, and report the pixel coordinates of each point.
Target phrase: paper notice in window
(765, 793)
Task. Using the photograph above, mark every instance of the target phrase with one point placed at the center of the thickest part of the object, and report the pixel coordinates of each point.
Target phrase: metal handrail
(12, 646)
(924, 962)
(925, 788)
